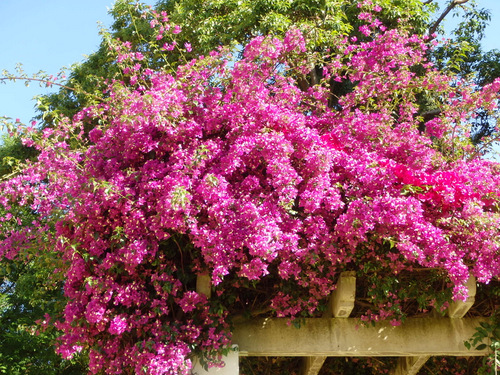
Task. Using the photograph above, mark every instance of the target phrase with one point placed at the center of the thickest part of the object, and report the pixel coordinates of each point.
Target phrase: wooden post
(410, 365)
(456, 310)
(313, 365)
(340, 305)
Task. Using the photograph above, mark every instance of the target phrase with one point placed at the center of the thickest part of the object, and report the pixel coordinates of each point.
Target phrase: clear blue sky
(45, 35)
(49, 34)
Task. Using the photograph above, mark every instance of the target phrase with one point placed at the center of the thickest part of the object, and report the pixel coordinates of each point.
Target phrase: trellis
(337, 335)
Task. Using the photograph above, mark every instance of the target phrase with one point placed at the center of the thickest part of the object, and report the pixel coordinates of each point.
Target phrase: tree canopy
(244, 169)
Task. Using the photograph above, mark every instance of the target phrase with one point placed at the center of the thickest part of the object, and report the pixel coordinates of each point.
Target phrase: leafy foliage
(230, 169)
(208, 25)
(242, 169)
(464, 55)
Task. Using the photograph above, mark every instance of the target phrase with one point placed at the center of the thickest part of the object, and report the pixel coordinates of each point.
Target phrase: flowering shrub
(232, 170)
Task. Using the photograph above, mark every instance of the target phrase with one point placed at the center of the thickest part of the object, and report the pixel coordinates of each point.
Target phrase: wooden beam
(348, 338)
(204, 285)
(343, 297)
(458, 309)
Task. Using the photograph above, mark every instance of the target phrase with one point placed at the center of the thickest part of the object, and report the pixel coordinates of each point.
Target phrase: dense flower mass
(232, 170)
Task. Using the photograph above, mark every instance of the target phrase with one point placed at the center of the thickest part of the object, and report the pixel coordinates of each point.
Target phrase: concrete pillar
(231, 361)
(231, 367)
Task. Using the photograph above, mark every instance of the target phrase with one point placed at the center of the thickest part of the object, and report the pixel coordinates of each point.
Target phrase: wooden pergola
(337, 335)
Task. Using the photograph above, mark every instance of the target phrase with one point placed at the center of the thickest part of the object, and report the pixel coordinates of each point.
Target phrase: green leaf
(485, 325)
(481, 347)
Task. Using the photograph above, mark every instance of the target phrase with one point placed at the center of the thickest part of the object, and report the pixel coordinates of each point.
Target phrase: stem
(495, 362)
(452, 5)
(49, 83)
(482, 147)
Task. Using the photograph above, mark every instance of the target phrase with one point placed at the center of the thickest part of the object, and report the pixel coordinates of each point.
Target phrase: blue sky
(45, 35)
(49, 34)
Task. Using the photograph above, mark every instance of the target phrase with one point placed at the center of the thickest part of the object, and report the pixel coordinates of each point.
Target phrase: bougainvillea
(229, 169)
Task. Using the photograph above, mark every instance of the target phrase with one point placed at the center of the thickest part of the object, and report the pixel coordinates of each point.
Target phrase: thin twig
(49, 83)
(452, 5)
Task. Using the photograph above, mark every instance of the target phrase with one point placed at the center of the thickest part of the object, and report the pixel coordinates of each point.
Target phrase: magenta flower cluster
(231, 169)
